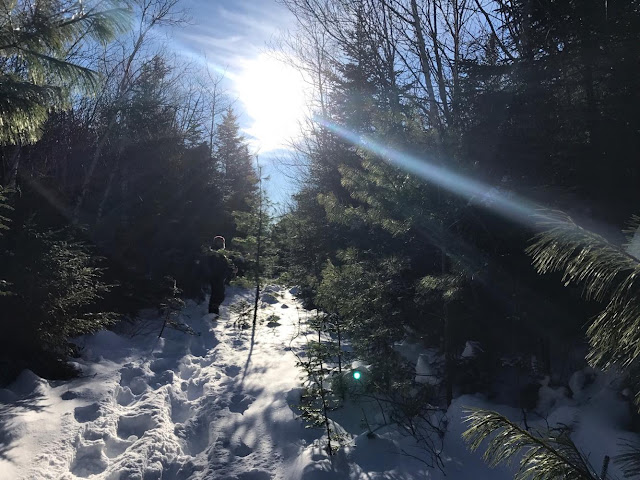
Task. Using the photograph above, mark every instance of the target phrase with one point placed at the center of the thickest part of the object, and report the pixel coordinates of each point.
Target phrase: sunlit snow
(222, 405)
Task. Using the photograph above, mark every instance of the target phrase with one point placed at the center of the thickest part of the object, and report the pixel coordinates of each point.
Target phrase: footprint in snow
(87, 414)
(255, 475)
(159, 365)
(161, 379)
(89, 460)
(91, 434)
(115, 447)
(135, 425)
(187, 370)
(134, 378)
(232, 370)
(242, 450)
(240, 403)
(180, 410)
(195, 389)
(124, 396)
(195, 433)
(69, 395)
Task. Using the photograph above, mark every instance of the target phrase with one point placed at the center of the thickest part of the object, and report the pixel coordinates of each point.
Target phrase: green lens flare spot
(357, 375)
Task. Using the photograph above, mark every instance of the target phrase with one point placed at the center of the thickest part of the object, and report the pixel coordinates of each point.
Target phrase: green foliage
(305, 239)
(241, 313)
(629, 459)
(319, 374)
(232, 154)
(170, 308)
(544, 455)
(442, 288)
(4, 207)
(367, 293)
(607, 273)
(253, 226)
(56, 285)
(35, 76)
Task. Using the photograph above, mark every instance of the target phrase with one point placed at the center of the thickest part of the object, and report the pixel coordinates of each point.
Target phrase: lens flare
(505, 203)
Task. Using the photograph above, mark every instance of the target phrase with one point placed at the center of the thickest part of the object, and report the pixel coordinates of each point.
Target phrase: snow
(222, 405)
(426, 369)
(634, 245)
(471, 350)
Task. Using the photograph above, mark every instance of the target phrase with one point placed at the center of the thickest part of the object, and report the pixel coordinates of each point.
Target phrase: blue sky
(230, 31)
(235, 36)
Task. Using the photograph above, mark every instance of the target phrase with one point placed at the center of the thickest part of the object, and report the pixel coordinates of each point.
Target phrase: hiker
(219, 268)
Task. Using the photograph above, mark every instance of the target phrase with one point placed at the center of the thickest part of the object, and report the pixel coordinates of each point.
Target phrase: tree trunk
(259, 247)
(434, 117)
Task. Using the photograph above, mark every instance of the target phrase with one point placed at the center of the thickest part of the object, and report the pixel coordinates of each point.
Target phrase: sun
(274, 95)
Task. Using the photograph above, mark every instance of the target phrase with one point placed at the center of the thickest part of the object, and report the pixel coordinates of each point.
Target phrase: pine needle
(548, 456)
(607, 273)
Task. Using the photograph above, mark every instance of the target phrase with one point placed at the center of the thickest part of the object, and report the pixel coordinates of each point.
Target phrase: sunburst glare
(274, 95)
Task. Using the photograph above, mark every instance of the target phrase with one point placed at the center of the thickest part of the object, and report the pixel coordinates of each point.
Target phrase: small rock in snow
(270, 299)
(294, 290)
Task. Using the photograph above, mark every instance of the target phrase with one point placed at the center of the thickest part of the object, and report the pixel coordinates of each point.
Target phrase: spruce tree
(233, 157)
(255, 241)
(57, 285)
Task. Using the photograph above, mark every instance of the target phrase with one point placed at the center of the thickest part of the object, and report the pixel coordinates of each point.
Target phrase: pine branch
(629, 459)
(606, 272)
(584, 257)
(35, 43)
(549, 456)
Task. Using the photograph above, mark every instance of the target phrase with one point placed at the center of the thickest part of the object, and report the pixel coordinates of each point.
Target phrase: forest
(467, 183)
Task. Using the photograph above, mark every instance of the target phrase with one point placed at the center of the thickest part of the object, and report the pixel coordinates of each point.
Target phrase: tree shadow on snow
(8, 412)
(246, 365)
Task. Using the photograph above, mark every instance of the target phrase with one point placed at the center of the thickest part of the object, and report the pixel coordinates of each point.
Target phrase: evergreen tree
(607, 274)
(148, 210)
(256, 243)
(56, 286)
(318, 397)
(232, 155)
(35, 74)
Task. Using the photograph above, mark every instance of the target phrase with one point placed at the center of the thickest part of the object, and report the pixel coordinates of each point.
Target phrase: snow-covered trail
(181, 407)
(222, 405)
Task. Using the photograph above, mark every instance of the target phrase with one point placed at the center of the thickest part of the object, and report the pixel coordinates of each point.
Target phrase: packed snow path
(214, 405)
(222, 405)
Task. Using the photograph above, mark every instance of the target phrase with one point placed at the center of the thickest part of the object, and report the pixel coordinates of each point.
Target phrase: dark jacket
(218, 267)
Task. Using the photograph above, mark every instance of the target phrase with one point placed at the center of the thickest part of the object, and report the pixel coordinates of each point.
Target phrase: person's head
(218, 242)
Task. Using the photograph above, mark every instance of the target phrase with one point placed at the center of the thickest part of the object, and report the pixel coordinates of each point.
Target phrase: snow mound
(471, 350)
(29, 384)
(426, 373)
